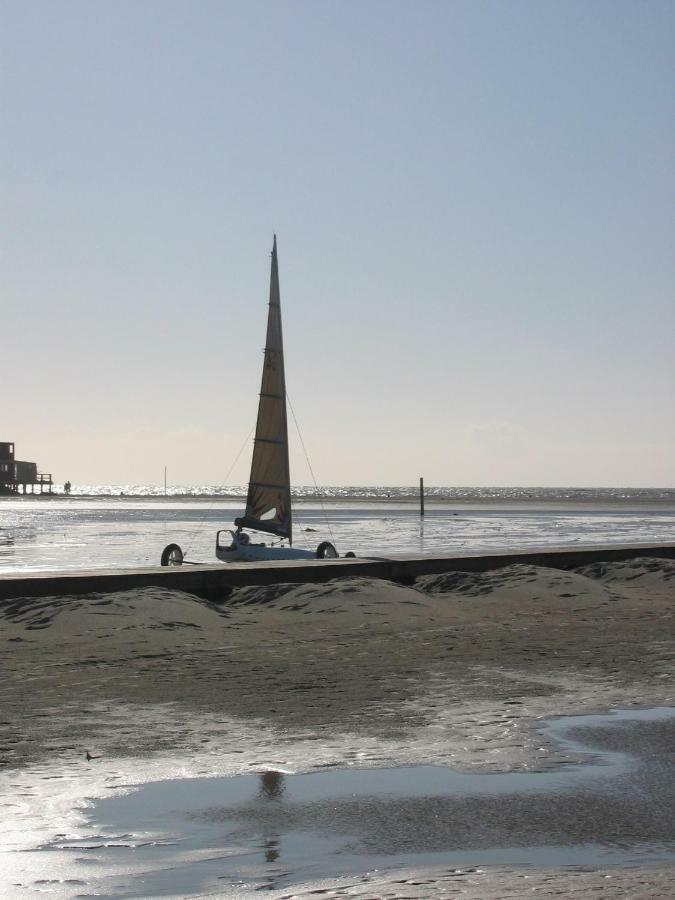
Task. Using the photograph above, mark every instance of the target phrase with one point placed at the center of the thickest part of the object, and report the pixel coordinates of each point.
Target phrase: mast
(268, 504)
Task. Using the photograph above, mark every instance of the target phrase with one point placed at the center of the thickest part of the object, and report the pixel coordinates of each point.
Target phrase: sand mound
(347, 602)
(340, 595)
(509, 581)
(95, 616)
(643, 568)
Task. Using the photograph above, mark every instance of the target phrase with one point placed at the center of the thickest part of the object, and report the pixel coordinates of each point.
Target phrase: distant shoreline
(555, 502)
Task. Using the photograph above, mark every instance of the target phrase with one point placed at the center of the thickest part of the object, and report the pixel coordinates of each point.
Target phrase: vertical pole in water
(165, 481)
(422, 497)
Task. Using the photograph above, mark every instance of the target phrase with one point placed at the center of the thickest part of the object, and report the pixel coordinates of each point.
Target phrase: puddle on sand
(274, 829)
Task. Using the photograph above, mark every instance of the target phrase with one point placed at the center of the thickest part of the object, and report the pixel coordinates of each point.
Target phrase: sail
(268, 505)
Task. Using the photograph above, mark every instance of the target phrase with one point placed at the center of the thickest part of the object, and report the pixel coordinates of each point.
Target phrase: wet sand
(454, 670)
(108, 532)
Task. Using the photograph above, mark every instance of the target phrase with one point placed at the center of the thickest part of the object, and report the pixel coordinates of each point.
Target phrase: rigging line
(200, 527)
(319, 494)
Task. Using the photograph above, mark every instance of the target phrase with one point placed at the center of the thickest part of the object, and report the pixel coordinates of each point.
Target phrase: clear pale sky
(474, 209)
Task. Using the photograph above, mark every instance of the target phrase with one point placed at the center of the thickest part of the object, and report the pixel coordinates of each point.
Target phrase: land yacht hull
(231, 548)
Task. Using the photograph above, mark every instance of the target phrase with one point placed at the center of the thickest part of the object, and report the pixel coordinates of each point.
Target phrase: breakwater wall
(217, 580)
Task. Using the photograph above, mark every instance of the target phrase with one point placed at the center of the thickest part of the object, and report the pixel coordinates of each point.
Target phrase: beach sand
(454, 670)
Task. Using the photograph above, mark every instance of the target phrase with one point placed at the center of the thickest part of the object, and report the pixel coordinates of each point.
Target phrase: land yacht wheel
(326, 550)
(172, 555)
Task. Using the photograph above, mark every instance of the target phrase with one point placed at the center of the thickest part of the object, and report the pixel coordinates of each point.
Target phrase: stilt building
(17, 476)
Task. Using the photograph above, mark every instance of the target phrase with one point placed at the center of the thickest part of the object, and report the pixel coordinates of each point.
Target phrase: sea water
(113, 526)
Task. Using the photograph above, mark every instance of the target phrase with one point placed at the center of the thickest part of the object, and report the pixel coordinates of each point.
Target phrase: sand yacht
(268, 504)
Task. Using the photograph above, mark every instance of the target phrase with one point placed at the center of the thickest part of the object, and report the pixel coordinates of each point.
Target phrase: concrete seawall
(216, 581)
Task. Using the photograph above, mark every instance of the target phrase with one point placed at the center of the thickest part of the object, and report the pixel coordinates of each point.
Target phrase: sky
(475, 220)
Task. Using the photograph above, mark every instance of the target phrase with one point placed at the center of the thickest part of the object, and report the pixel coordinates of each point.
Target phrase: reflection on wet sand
(272, 785)
(611, 808)
(271, 846)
